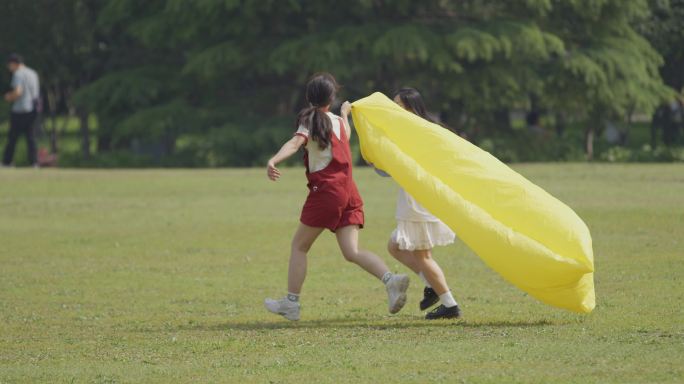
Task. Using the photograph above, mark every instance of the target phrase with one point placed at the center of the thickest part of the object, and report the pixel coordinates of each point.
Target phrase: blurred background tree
(62, 41)
(664, 28)
(217, 82)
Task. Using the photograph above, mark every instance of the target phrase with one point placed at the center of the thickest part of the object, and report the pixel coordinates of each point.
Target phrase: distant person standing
(25, 98)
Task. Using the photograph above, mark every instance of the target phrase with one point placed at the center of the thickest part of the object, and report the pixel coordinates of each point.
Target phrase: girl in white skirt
(418, 231)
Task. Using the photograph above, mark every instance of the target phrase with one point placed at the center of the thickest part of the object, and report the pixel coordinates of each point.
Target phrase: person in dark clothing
(24, 96)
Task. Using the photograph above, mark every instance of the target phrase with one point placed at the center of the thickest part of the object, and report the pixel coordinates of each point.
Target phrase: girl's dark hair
(413, 102)
(15, 58)
(320, 92)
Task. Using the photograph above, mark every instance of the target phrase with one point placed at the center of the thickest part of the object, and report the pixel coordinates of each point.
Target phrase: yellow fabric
(529, 237)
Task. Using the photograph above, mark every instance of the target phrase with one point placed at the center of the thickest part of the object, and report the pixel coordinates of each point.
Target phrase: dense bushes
(644, 154)
(525, 147)
(221, 146)
(227, 145)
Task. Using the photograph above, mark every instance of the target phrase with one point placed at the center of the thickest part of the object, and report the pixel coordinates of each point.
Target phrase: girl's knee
(300, 246)
(393, 248)
(350, 255)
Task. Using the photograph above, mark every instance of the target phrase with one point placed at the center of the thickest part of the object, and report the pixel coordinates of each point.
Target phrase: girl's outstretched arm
(345, 110)
(288, 149)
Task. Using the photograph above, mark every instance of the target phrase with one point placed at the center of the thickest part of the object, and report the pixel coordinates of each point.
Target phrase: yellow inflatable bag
(529, 237)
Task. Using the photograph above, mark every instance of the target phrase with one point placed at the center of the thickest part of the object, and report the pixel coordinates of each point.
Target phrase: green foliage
(524, 147)
(212, 63)
(127, 91)
(216, 63)
(644, 154)
(233, 145)
(483, 46)
(60, 38)
(664, 29)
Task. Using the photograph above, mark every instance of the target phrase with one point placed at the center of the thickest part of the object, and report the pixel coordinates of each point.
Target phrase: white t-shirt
(27, 79)
(319, 158)
(408, 209)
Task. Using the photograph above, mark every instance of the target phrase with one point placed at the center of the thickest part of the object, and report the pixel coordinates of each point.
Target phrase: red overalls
(333, 201)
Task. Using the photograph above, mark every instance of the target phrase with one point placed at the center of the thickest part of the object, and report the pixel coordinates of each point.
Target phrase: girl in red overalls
(333, 202)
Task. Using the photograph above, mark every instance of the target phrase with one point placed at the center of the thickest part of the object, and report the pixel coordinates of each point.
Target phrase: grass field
(159, 276)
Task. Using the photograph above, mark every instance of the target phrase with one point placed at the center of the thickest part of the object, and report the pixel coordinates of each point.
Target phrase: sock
(386, 277)
(422, 277)
(293, 297)
(447, 299)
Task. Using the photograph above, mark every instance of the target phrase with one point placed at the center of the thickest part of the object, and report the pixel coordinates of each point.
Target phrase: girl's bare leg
(396, 285)
(432, 271)
(421, 261)
(405, 257)
(348, 240)
(301, 243)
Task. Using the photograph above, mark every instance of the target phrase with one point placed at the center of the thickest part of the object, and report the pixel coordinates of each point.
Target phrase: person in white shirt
(24, 96)
(418, 231)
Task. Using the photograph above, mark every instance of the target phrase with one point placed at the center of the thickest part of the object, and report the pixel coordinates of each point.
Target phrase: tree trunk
(52, 99)
(85, 132)
(169, 142)
(104, 134)
(104, 140)
(62, 130)
(560, 124)
(654, 132)
(624, 134)
(589, 136)
(669, 127)
(680, 119)
(502, 119)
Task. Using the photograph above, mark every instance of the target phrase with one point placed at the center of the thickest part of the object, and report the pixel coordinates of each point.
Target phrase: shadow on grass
(361, 323)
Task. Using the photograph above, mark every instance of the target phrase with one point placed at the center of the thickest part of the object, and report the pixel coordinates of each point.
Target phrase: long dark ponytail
(320, 93)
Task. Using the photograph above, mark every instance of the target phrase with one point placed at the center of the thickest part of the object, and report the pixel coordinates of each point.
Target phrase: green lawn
(159, 276)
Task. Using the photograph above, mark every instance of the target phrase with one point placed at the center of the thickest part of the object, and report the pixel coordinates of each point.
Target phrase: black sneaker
(430, 298)
(443, 312)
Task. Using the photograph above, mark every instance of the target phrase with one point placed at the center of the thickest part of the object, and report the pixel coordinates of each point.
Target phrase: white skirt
(421, 235)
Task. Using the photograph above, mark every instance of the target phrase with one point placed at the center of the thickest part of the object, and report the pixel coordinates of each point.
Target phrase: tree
(476, 59)
(61, 40)
(665, 31)
(175, 71)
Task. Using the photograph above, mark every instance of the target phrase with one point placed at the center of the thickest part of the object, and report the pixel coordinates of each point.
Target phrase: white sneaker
(287, 308)
(396, 292)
